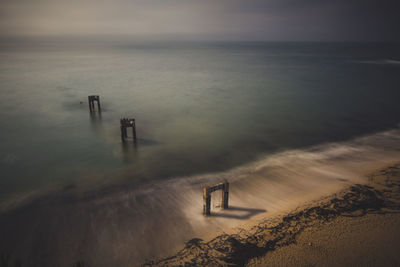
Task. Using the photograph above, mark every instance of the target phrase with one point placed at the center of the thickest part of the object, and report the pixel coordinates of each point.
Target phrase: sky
(269, 20)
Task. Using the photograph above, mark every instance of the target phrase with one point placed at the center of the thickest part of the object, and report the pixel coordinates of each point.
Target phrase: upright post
(134, 132)
(225, 195)
(206, 201)
(90, 103)
(123, 133)
(98, 103)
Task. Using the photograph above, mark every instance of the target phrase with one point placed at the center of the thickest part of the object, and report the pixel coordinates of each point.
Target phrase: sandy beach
(199, 133)
(357, 226)
(273, 202)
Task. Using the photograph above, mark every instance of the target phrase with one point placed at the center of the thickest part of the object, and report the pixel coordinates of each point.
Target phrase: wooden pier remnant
(93, 98)
(125, 123)
(224, 186)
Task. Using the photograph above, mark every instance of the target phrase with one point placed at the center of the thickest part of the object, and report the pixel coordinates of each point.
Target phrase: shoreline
(135, 225)
(80, 192)
(368, 240)
(380, 195)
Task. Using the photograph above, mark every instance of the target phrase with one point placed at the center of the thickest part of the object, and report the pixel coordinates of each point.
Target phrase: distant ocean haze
(199, 108)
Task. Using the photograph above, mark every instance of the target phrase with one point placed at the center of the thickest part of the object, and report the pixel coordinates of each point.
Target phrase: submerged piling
(91, 100)
(126, 123)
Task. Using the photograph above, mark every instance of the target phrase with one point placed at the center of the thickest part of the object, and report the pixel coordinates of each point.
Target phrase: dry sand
(370, 240)
(357, 227)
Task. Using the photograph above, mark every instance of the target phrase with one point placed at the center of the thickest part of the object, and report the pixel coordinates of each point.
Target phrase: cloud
(203, 19)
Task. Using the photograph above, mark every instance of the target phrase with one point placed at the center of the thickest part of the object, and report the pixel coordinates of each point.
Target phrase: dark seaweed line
(238, 249)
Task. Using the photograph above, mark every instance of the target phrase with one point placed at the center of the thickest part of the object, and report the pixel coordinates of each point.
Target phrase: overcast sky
(297, 20)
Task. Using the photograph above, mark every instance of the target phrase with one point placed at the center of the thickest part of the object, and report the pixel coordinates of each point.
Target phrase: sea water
(199, 107)
(278, 120)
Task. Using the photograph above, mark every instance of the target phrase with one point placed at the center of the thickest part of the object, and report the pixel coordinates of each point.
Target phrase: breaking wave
(155, 219)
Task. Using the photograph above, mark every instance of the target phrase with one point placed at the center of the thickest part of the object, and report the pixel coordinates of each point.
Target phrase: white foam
(380, 61)
(155, 219)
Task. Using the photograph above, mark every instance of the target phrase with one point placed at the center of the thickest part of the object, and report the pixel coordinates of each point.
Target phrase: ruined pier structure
(91, 99)
(125, 123)
(224, 186)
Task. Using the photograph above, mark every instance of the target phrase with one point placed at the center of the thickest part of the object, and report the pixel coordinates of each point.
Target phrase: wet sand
(138, 224)
(357, 226)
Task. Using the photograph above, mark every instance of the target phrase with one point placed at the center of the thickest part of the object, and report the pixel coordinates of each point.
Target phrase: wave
(155, 219)
(380, 61)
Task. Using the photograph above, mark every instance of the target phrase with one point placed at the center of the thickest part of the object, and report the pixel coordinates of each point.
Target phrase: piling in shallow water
(125, 123)
(91, 100)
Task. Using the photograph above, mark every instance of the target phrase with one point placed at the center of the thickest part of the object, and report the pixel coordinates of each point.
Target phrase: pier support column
(225, 195)
(206, 201)
(124, 133)
(134, 133)
(91, 100)
(98, 103)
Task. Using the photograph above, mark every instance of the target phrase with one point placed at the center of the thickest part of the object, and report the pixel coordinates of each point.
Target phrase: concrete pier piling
(91, 100)
(126, 123)
(224, 186)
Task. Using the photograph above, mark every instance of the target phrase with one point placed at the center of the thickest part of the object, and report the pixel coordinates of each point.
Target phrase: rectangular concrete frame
(224, 186)
(125, 123)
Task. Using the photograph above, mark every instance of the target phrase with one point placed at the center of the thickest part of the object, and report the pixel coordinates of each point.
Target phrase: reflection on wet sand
(130, 225)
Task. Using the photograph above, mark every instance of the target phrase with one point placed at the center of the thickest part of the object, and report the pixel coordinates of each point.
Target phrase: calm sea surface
(199, 107)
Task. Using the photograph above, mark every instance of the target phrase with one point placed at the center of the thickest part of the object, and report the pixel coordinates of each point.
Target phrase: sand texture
(357, 227)
(370, 240)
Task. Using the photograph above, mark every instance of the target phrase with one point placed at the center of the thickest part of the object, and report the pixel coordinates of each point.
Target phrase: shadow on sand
(380, 197)
(240, 213)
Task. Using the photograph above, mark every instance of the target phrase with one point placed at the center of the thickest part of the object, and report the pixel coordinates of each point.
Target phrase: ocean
(202, 109)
